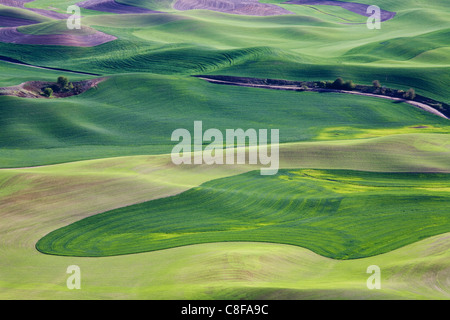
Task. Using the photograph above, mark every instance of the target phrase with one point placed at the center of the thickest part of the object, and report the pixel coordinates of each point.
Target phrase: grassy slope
(338, 214)
(13, 74)
(72, 191)
(234, 271)
(100, 123)
(309, 45)
(183, 43)
(36, 201)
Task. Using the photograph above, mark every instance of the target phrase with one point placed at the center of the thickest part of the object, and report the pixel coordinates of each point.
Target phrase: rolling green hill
(342, 215)
(309, 45)
(136, 114)
(362, 180)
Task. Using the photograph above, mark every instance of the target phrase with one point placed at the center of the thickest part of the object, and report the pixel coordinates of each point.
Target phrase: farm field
(87, 178)
(315, 209)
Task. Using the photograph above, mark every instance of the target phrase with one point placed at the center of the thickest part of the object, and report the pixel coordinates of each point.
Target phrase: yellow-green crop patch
(363, 133)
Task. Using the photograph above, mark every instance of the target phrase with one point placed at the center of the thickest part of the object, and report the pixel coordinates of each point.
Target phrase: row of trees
(410, 94)
(340, 84)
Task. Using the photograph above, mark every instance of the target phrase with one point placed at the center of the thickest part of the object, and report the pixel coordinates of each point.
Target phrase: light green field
(82, 159)
(39, 200)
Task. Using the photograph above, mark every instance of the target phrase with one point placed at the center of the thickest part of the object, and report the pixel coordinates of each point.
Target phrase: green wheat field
(88, 179)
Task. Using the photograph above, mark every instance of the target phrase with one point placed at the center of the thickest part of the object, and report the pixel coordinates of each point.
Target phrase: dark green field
(338, 214)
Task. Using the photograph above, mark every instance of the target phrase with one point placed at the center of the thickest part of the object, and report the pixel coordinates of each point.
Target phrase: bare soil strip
(33, 89)
(240, 7)
(420, 105)
(358, 8)
(294, 86)
(113, 7)
(12, 35)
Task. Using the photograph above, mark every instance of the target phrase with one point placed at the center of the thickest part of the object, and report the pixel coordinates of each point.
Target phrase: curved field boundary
(358, 8)
(113, 7)
(76, 190)
(46, 13)
(316, 209)
(293, 87)
(420, 105)
(15, 22)
(12, 35)
(240, 7)
(14, 61)
(329, 14)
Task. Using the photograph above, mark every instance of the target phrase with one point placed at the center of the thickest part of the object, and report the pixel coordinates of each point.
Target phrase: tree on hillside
(338, 83)
(321, 84)
(376, 84)
(410, 94)
(63, 82)
(349, 85)
(48, 92)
